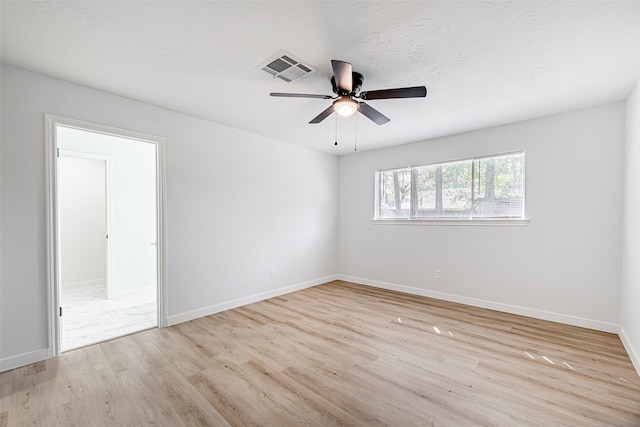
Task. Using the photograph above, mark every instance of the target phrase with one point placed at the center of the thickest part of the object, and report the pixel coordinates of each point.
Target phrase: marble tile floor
(88, 317)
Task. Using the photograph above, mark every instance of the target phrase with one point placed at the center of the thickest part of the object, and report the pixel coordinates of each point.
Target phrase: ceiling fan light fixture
(345, 106)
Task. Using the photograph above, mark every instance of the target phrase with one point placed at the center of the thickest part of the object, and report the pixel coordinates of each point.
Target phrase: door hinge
(60, 311)
(57, 152)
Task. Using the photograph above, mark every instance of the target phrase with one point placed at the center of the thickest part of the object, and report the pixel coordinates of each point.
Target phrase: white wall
(565, 265)
(133, 204)
(631, 236)
(237, 205)
(82, 219)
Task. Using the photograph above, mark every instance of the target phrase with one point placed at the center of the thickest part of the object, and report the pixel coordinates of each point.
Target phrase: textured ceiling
(484, 63)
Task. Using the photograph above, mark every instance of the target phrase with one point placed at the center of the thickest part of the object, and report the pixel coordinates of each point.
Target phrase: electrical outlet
(273, 273)
(438, 274)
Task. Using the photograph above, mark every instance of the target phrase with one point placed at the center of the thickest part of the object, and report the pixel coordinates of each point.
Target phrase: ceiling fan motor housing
(355, 88)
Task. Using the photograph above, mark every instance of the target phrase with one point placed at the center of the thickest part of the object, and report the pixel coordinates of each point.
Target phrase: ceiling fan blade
(300, 95)
(320, 117)
(343, 73)
(403, 92)
(373, 114)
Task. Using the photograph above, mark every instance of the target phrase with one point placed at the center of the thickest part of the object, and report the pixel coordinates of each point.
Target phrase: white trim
(463, 221)
(84, 283)
(634, 355)
(52, 241)
(83, 155)
(24, 359)
(507, 308)
(161, 232)
(107, 207)
(217, 308)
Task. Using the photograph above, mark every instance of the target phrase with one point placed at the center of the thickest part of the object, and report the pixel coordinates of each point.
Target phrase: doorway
(106, 233)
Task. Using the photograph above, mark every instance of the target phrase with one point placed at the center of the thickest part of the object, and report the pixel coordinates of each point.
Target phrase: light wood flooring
(336, 354)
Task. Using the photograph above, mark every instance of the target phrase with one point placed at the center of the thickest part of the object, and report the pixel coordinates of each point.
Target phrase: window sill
(518, 222)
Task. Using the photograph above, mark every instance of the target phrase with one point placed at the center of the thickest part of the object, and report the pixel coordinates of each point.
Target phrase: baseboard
(206, 311)
(82, 283)
(507, 308)
(23, 359)
(634, 355)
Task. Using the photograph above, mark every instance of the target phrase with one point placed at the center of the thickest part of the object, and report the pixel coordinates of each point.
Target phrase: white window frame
(444, 220)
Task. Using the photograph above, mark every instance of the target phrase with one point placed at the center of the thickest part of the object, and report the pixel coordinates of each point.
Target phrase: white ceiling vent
(285, 66)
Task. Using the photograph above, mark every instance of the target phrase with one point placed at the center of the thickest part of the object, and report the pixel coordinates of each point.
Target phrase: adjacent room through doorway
(107, 216)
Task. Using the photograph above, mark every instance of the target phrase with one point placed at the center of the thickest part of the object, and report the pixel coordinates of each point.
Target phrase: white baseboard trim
(634, 355)
(99, 282)
(507, 308)
(217, 308)
(13, 362)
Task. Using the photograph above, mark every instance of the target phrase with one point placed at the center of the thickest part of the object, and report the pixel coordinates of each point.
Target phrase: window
(482, 187)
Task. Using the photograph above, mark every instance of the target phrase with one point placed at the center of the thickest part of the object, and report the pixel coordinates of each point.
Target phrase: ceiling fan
(347, 85)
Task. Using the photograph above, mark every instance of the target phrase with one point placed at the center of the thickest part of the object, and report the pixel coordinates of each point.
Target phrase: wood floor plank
(337, 354)
(166, 342)
(192, 408)
(151, 407)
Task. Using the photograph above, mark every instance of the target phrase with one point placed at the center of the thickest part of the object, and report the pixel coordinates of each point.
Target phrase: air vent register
(285, 66)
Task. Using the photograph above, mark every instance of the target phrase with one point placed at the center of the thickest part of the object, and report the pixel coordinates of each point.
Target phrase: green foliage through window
(483, 187)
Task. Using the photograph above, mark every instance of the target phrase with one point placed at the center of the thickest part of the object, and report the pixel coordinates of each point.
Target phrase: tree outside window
(485, 187)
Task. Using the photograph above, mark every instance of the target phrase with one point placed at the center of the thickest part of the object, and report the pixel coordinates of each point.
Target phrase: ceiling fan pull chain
(336, 137)
(355, 138)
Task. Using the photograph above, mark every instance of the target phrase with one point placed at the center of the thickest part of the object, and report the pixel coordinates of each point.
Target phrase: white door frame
(53, 241)
(107, 205)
